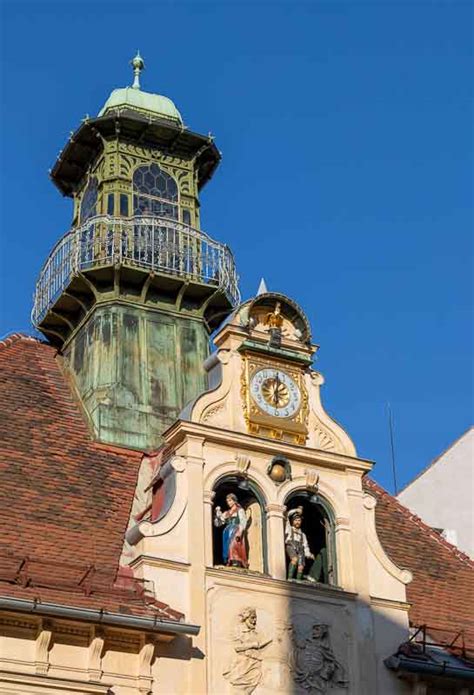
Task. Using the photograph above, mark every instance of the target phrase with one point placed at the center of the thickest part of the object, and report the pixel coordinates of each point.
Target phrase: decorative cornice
(64, 684)
(258, 583)
(389, 603)
(181, 429)
(160, 562)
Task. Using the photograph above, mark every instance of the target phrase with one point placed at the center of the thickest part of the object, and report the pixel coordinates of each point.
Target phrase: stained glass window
(89, 200)
(155, 193)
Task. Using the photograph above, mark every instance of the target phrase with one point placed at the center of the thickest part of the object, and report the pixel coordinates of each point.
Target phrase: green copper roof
(135, 99)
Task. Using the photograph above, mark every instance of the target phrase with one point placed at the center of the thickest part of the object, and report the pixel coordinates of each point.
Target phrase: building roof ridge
(12, 338)
(409, 515)
(436, 459)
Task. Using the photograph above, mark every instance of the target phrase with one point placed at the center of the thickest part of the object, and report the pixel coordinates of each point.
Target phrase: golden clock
(275, 392)
(275, 399)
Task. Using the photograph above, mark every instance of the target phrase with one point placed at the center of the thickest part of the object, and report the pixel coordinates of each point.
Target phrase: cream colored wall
(56, 657)
(389, 631)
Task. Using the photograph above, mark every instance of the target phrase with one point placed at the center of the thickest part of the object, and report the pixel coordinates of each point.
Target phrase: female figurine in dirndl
(234, 520)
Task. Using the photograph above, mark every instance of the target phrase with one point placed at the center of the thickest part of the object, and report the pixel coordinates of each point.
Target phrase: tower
(132, 292)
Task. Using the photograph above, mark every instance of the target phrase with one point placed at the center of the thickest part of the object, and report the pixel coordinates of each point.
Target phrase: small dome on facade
(145, 102)
(243, 313)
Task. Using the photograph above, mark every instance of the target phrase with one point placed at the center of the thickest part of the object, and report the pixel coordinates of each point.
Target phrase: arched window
(155, 193)
(309, 539)
(89, 200)
(239, 533)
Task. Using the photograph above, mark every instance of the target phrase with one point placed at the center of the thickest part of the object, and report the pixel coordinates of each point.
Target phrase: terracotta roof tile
(65, 499)
(442, 591)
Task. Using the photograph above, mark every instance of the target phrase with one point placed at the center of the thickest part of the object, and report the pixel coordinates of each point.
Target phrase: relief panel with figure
(278, 646)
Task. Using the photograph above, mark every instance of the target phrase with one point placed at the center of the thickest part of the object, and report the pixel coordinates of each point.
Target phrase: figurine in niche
(296, 545)
(234, 520)
(245, 670)
(274, 321)
(314, 664)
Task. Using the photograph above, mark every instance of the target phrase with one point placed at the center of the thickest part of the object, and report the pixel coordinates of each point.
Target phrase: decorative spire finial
(262, 288)
(138, 65)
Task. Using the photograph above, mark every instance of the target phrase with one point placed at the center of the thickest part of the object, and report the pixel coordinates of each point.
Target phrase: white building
(449, 477)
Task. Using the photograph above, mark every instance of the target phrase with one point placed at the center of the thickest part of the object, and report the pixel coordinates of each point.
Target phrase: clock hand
(277, 386)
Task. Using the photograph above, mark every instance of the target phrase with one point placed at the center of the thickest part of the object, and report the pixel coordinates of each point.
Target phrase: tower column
(276, 540)
(208, 521)
(196, 558)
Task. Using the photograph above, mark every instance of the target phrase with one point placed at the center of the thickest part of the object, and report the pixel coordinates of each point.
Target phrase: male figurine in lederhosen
(296, 544)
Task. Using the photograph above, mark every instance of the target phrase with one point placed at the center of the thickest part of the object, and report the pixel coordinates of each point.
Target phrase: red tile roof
(65, 499)
(442, 591)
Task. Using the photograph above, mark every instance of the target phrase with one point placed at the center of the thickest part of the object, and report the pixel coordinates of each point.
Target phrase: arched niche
(318, 524)
(251, 501)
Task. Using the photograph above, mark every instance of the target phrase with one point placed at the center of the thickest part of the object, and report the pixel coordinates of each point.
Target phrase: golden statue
(274, 319)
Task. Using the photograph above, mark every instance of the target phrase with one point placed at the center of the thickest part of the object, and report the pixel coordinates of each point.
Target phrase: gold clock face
(275, 392)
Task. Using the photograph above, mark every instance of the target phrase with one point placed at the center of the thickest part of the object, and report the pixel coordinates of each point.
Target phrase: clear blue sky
(346, 176)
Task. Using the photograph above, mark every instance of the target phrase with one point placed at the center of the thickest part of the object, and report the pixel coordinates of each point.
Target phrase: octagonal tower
(131, 293)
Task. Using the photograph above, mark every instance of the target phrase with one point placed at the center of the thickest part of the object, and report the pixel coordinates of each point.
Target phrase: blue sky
(346, 177)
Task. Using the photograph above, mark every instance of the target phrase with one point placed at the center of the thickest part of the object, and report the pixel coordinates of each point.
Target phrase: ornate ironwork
(156, 244)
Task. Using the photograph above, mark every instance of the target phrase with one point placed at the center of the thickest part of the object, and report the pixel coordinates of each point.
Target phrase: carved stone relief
(324, 440)
(213, 414)
(313, 664)
(244, 673)
(287, 656)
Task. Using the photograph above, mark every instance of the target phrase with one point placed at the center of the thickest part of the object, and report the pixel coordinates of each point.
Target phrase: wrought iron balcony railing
(156, 244)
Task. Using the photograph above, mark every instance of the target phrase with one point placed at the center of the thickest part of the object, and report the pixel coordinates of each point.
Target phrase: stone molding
(389, 603)
(403, 575)
(275, 510)
(230, 468)
(181, 430)
(252, 582)
(160, 562)
(18, 682)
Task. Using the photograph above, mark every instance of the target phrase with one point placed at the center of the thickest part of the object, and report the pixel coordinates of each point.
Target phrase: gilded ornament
(279, 469)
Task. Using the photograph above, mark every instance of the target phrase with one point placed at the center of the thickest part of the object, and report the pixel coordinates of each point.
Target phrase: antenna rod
(392, 448)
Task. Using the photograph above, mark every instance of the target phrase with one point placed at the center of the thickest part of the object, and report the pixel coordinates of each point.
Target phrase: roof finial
(262, 288)
(138, 65)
